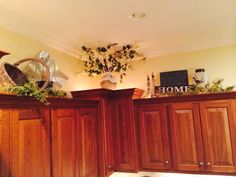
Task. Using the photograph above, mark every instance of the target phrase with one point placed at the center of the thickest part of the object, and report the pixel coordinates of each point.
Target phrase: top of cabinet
(14, 101)
(186, 98)
(98, 94)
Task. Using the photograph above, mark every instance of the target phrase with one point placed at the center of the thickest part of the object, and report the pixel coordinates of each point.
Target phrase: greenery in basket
(211, 87)
(111, 58)
(57, 93)
(32, 90)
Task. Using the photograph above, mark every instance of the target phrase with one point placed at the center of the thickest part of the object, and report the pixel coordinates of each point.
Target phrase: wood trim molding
(186, 98)
(13, 101)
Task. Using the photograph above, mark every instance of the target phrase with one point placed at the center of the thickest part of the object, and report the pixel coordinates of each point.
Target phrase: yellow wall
(218, 62)
(21, 47)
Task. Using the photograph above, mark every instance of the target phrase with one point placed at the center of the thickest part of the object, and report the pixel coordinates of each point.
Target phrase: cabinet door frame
(200, 164)
(4, 142)
(83, 114)
(109, 165)
(145, 162)
(18, 118)
(124, 107)
(230, 106)
(58, 115)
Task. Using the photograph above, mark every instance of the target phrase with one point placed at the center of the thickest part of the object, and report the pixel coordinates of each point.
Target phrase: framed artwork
(174, 78)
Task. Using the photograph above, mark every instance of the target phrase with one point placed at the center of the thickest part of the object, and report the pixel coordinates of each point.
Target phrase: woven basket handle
(43, 63)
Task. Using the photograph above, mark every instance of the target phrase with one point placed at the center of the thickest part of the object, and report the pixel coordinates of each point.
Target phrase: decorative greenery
(212, 87)
(209, 87)
(32, 90)
(57, 93)
(112, 58)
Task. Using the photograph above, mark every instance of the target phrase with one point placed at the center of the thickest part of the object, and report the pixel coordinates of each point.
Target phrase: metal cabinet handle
(201, 163)
(109, 167)
(208, 163)
(166, 162)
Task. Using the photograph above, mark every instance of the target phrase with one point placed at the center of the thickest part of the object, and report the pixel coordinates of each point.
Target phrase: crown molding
(195, 45)
(25, 27)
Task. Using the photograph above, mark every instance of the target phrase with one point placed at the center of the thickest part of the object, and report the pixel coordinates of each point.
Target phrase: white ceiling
(170, 25)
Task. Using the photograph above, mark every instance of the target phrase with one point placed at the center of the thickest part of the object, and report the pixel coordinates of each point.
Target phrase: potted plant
(109, 59)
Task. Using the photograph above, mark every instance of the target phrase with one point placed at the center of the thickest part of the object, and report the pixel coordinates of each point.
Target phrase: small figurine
(148, 94)
(153, 92)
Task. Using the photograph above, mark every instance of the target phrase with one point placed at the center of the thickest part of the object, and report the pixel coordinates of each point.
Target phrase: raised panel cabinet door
(30, 143)
(153, 133)
(4, 143)
(185, 129)
(219, 135)
(108, 141)
(124, 135)
(87, 146)
(64, 143)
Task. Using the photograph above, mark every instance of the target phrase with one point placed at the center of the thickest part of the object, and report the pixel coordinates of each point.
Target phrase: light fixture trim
(138, 16)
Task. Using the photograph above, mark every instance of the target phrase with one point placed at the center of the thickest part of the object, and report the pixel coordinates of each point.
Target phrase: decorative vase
(108, 81)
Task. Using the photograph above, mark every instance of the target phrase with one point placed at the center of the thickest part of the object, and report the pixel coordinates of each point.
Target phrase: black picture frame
(174, 78)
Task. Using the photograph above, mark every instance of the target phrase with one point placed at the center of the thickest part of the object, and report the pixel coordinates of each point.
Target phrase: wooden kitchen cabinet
(124, 135)
(203, 136)
(108, 136)
(185, 131)
(106, 164)
(219, 135)
(56, 140)
(4, 143)
(87, 142)
(30, 143)
(64, 148)
(87, 138)
(202, 131)
(153, 137)
(74, 142)
(117, 147)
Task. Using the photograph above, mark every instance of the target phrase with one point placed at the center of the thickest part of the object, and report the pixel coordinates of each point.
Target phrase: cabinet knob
(109, 167)
(208, 163)
(166, 162)
(201, 163)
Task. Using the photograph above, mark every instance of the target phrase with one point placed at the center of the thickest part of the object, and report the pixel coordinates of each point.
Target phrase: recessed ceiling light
(138, 16)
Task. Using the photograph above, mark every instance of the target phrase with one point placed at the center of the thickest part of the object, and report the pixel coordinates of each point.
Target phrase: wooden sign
(173, 89)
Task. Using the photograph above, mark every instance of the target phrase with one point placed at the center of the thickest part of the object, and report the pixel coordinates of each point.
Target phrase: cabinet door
(124, 135)
(219, 135)
(30, 143)
(108, 140)
(185, 129)
(63, 143)
(153, 136)
(4, 143)
(87, 146)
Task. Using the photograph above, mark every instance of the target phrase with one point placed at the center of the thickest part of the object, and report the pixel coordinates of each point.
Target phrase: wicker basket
(11, 75)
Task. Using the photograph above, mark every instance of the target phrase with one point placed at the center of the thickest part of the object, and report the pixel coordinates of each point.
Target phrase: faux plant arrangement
(211, 87)
(32, 90)
(111, 58)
